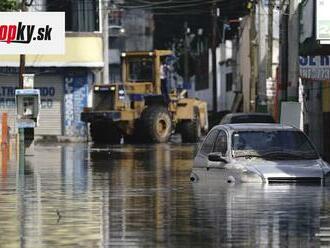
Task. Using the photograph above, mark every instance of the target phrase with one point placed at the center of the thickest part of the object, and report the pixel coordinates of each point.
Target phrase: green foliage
(7, 5)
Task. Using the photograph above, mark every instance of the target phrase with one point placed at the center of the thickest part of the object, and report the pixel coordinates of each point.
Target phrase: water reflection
(77, 195)
(261, 215)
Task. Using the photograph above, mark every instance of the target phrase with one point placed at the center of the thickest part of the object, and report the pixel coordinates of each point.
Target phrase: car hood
(287, 168)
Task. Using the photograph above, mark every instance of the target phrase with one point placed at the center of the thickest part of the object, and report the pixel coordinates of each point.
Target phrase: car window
(221, 143)
(207, 146)
(225, 120)
(276, 141)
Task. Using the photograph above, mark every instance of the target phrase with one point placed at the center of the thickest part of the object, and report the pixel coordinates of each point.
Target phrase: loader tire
(104, 132)
(191, 131)
(156, 125)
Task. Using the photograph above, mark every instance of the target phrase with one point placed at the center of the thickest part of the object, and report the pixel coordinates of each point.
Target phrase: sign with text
(32, 33)
(7, 97)
(315, 67)
(322, 20)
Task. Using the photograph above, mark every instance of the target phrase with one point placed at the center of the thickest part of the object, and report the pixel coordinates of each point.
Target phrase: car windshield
(273, 144)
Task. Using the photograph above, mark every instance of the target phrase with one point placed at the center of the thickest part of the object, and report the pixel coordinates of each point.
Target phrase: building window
(80, 16)
(202, 72)
(229, 82)
(115, 18)
(117, 43)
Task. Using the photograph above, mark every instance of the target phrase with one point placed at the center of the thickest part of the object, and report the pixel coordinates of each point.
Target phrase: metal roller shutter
(51, 91)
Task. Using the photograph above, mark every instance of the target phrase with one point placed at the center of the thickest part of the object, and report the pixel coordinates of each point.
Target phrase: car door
(218, 170)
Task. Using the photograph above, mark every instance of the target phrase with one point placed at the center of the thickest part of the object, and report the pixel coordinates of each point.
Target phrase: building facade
(64, 80)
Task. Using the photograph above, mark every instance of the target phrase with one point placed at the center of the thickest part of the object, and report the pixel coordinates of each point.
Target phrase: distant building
(129, 30)
(64, 80)
(256, 69)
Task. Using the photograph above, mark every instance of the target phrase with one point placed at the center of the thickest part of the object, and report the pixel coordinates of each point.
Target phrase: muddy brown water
(78, 195)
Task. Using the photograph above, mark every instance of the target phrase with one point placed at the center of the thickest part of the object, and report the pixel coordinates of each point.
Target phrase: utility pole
(261, 103)
(22, 56)
(284, 60)
(269, 72)
(270, 40)
(185, 55)
(293, 50)
(214, 58)
(253, 60)
(105, 33)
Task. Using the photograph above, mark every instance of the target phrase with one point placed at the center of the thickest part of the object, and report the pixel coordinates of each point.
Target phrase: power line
(171, 5)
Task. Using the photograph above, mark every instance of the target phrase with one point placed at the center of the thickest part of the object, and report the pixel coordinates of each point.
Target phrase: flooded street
(77, 195)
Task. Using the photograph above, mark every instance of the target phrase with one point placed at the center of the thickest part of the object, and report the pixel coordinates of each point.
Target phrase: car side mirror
(216, 160)
(217, 157)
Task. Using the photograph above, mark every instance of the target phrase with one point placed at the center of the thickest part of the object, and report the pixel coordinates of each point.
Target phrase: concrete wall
(225, 66)
(244, 62)
(224, 62)
(205, 94)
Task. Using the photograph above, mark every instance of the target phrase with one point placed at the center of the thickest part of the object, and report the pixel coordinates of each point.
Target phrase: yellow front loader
(141, 109)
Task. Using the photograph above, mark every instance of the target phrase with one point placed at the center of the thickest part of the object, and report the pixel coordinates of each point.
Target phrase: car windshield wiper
(248, 156)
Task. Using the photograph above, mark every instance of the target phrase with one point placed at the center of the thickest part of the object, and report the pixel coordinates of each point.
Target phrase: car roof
(248, 114)
(247, 117)
(255, 127)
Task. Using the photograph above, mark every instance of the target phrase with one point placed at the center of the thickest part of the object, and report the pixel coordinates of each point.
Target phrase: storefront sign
(322, 20)
(315, 67)
(7, 97)
(32, 32)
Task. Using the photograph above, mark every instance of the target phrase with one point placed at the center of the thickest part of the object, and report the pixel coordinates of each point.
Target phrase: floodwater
(77, 195)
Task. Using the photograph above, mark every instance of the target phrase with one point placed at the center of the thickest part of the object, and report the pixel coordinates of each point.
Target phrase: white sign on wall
(322, 20)
(32, 33)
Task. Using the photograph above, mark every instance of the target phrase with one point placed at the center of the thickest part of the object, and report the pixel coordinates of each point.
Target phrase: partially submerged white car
(264, 153)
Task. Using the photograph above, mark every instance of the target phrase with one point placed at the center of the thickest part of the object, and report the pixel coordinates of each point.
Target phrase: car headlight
(250, 177)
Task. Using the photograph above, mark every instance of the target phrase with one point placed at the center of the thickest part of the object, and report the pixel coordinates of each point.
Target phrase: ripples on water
(77, 195)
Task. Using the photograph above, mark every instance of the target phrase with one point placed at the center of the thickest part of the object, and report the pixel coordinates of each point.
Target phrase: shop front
(64, 94)
(315, 77)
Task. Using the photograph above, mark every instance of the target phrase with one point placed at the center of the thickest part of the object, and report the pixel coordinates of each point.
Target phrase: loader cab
(141, 70)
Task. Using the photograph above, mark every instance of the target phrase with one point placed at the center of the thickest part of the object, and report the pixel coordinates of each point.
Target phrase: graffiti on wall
(75, 99)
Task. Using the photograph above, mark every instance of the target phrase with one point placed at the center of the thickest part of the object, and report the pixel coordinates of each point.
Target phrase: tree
(7, 5)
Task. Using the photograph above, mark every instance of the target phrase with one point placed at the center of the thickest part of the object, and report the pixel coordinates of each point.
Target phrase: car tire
(191, 130)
